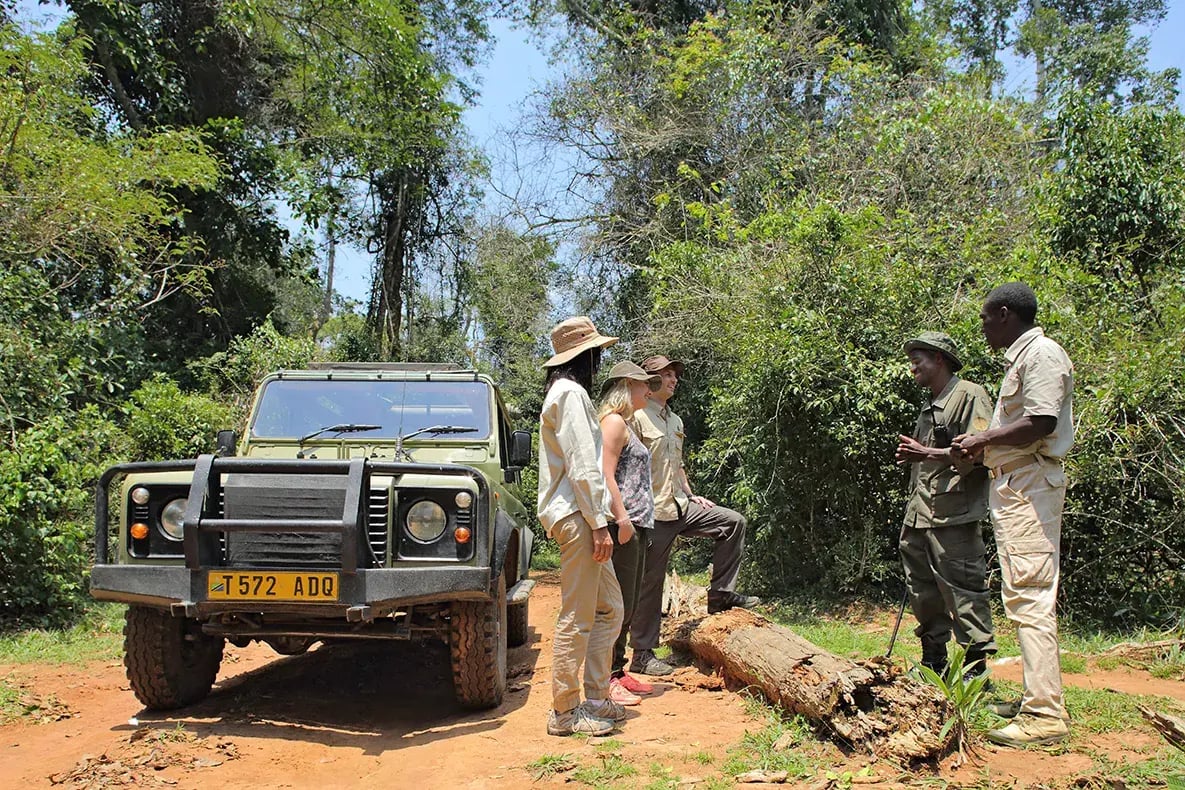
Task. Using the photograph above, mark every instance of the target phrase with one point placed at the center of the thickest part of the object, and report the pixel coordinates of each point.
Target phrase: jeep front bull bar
(206, 484)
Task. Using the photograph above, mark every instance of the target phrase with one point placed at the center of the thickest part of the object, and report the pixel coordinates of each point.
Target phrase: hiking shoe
(631, 683)
(577, 721)
(722, 602)
(605, 709)
(646, 663)
(1029, 730)
(1007, 709)
(621, 695)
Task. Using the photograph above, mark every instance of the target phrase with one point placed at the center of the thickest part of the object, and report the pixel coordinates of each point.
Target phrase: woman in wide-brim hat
(625, 462)
(574, 509)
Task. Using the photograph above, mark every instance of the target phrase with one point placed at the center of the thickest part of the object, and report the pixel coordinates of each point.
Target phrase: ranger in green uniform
(941, 543)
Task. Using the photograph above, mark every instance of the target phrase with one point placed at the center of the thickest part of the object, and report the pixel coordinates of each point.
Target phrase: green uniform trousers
(946, 575)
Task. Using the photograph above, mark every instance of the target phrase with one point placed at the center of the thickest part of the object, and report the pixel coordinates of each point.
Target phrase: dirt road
(379, 715)
(383, 715)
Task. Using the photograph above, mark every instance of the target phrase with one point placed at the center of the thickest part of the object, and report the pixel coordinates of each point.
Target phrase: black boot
(975, 664)
(934, 657)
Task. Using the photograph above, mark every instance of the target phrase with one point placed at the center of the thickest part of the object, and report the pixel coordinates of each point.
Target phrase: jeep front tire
(477, 648)
(170, 662)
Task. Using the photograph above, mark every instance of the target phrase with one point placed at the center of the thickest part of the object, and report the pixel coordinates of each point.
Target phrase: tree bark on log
(868, 706)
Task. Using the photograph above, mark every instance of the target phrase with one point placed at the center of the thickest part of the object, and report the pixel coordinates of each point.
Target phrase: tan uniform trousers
(590, 617)
(1026, 506)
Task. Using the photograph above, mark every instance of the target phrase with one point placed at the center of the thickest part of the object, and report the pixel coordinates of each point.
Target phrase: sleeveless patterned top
(633, 478)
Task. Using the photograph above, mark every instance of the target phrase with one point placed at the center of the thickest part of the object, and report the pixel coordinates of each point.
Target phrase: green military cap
(936, 341)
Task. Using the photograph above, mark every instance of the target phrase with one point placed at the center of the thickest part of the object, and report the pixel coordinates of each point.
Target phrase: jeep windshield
(292, 408)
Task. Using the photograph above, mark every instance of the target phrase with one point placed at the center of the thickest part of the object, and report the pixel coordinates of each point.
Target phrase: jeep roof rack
(415, 367)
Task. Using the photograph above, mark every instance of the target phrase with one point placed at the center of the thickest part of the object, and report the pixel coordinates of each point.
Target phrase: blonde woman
(574, 509)
(625, 462)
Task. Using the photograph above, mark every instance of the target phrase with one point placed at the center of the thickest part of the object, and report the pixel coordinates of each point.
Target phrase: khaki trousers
(589, 619)
(1026, 509)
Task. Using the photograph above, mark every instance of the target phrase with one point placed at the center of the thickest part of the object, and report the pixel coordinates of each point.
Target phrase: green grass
(1099, 710)
(545, 556)
(608, 746)
(549, 765)
(98, 636)
(837, 636)
(10, 702)
(703, 758)
(661, 778)
(607, 772)
(759, 750)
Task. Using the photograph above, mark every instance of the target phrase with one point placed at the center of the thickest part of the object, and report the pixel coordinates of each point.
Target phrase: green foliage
(966, 694)
(232, 376)
(46, 515)
(163, 422)
(771, 747)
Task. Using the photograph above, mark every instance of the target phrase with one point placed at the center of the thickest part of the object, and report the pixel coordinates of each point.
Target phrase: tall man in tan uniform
(677, 511)
(1024, 449)
(941, 538)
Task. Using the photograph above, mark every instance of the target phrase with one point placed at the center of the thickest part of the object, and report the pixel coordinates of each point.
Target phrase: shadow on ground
(373, 696)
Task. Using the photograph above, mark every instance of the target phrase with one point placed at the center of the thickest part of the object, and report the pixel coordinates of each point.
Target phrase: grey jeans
(726, 527)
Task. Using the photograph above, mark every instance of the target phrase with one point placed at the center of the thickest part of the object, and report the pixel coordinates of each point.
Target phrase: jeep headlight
(426, 521)
(171, 518)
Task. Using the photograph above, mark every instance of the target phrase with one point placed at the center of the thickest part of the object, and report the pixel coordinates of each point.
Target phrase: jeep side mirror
(225, 446)
(520, 449)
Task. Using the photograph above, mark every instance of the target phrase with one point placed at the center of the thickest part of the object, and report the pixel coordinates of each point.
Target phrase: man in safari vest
(941, 542)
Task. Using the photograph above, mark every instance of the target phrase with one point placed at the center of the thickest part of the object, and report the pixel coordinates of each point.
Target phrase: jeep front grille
(377, 508)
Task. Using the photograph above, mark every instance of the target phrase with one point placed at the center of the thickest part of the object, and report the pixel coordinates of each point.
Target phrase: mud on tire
(477, 648)
(170, 662)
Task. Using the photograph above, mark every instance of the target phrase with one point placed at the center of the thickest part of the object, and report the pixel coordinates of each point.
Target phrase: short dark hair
(1017, 297)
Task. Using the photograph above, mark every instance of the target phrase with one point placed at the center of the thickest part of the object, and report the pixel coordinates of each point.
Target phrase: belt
(1020, 463)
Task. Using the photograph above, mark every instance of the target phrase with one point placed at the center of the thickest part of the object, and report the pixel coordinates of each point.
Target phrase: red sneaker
(632, 684)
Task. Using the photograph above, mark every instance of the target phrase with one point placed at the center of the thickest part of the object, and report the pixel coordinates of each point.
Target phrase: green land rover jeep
(366, 501)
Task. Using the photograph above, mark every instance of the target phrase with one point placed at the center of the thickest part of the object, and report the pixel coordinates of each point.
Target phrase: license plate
(271, 586)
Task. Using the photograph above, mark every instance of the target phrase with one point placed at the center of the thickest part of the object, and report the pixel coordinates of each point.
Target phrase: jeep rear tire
(170, 662)
(516, 624)
(477, 647)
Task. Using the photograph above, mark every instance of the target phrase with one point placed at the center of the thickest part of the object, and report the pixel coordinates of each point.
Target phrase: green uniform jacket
(939, 494)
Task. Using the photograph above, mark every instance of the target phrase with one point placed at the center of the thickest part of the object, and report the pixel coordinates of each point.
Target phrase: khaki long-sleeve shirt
(570, 476)
(942, 495)
(662, 433)
(1039, 382)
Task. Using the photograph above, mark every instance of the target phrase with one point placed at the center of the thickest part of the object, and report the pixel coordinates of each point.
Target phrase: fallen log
(869, 706)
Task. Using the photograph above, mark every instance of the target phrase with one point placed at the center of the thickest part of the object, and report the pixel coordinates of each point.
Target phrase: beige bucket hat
(573, 335)
(628, 370)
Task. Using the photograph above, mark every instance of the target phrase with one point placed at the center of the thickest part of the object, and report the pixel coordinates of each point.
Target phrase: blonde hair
(617, 401)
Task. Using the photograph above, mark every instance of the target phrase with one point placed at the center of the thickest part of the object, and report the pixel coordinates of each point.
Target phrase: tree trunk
(869, 706)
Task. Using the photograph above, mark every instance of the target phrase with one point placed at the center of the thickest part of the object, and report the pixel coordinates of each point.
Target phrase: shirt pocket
(1032, 563)
(679, 435)
(1008, 391)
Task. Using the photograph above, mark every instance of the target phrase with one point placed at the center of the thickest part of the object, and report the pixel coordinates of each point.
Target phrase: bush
(163, 422)
(47, 479)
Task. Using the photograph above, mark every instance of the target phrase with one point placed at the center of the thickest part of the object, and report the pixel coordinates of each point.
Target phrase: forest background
(778, 192)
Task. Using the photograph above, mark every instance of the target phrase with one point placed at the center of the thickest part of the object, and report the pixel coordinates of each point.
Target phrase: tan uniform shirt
(1039, 382)
(940, 494)
(662, 433)
(570, 477)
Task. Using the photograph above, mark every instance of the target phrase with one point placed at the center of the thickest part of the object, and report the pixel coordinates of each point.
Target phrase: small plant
(549, 765)
(966, 693)
(608, 746)
(609, 773)
(176, 735)
(703, 758)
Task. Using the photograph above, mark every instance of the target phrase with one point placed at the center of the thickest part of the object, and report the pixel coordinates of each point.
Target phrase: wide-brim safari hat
(629, 370)
(658, 363)
(936, 341)
(574, 335)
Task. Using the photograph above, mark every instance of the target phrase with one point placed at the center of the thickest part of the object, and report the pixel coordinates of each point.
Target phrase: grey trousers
(726, 527)
(946, 574)
(629, 562)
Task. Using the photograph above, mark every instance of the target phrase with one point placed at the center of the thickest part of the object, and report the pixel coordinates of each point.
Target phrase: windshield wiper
(345, 427)
(434, 430)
